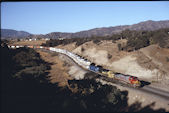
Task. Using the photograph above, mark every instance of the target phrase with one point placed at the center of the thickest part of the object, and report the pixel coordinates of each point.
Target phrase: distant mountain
(104, 31)
(9, 33)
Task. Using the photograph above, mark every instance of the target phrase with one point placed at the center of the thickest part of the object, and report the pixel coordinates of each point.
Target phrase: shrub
(96, 41)
(82, 49)
(119, 47)
(109, 56)
(167, 59)
(54, 54)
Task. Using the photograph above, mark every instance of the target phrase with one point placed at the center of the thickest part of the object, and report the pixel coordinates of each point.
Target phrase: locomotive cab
(134, 81)
(110, 74)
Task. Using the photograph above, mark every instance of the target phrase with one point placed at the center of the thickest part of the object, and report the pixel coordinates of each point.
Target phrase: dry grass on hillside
(58, 72)
(147, 63)
(68, 47)
(38, 42)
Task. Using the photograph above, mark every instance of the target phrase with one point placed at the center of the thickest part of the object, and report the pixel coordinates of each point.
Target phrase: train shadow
(144, 83)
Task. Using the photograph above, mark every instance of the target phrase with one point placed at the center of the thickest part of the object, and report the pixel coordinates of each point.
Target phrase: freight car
(30, 46)
(48, 48)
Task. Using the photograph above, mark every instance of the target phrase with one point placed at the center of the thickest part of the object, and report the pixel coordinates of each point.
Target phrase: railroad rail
(119, 78)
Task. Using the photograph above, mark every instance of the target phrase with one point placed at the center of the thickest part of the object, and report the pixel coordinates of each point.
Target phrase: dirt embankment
(74, 70)
(159, 57)
(58, 73)
(101, 54)
(150, 63)
(62, 68)
(136, 96)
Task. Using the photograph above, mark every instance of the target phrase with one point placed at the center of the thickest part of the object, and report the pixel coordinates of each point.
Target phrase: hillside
(108, 31)
(104, 31)
(9, 33)
(149, 63)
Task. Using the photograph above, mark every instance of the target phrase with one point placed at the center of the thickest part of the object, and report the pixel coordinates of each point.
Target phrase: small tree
(109, 56)
(96, 41)
(119, 47)
(82, 49)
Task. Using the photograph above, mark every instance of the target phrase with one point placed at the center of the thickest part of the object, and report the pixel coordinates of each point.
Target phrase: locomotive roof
(126, 75)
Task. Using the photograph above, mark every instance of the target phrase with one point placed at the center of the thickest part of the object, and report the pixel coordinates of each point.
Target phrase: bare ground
(136, 96)
(58, 73)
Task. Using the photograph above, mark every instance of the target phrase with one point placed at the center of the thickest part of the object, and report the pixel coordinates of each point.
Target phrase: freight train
(122, 78)
(127, 79)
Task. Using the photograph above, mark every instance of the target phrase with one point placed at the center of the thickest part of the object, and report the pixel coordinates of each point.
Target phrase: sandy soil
(102, 54)
(129, 65)
(159, 57)
(74, 70)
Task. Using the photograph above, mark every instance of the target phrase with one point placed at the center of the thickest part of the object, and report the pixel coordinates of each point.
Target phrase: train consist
(126, 79)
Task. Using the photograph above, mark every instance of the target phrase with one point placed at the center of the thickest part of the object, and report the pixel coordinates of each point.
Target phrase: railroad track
(148, 89)
(99, 75)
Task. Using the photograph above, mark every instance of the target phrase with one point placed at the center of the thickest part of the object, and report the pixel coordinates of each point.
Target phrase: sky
(46, 17)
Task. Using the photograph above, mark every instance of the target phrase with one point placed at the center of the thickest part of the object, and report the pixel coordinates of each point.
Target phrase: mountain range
(9, 33)
(104, 31)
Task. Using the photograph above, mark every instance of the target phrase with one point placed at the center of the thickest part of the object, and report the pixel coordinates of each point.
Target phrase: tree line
(135, 39)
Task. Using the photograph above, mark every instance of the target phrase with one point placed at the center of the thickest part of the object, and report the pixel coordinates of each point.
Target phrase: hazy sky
(46, 17)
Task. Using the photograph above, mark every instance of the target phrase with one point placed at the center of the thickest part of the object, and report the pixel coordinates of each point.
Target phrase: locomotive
(126, 79)
(131, 80)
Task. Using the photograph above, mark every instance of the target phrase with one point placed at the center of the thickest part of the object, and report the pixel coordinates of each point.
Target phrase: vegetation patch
(167, 59)
(135, 39)
(109, 56)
